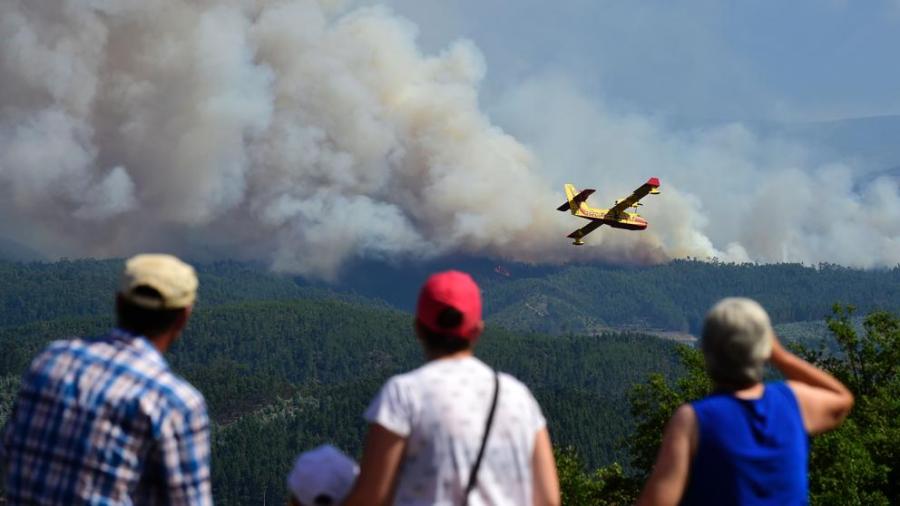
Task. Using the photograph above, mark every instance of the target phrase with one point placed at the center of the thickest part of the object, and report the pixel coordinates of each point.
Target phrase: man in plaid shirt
(105, 421)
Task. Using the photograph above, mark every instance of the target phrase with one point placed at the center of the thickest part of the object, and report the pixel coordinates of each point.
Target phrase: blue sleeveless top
(749, 451)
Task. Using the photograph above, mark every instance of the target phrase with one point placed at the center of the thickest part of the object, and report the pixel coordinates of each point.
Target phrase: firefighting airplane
(616, 216)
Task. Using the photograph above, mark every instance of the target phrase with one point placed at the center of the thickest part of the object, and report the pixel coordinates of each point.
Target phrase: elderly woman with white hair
(748, 442)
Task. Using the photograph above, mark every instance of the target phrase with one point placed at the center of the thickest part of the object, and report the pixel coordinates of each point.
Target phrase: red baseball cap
(450, 289)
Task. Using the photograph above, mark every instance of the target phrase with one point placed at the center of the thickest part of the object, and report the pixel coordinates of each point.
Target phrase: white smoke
(306, 134)
(727, 192)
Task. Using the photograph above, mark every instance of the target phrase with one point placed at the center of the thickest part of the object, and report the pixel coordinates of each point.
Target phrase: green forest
(675, 296)
(286, 365)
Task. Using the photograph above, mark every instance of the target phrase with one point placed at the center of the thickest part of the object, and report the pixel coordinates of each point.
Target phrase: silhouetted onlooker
(748, 442)
(454, 431)
(104, 420)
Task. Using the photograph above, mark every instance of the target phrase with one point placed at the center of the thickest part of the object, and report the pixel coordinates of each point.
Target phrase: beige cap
(174, 280)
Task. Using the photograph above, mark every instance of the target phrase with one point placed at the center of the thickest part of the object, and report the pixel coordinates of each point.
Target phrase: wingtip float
(617, 216)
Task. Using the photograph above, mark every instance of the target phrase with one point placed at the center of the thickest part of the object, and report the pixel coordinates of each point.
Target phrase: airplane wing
(650, 187)
(585, 230)
(576, 199)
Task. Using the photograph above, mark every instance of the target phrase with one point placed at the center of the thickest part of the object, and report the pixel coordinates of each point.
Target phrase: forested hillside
(570, 299)
(675, 296)
(286, 364)
(48, 290)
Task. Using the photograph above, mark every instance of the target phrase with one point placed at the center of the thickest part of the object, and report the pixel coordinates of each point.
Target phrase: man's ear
(183, 318)
(478, 330)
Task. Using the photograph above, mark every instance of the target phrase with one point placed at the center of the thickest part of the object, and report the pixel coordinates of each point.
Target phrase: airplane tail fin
(574, 199)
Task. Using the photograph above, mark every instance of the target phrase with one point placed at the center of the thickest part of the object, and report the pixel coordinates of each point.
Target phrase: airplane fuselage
(626, 220)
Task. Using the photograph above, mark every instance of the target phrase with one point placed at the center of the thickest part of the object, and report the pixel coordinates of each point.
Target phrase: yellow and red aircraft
(616, 216)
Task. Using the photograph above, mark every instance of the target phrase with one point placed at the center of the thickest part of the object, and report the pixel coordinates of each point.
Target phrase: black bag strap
(473, 477)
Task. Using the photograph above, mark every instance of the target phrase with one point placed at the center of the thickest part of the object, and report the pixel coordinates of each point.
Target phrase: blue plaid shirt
(105, 421)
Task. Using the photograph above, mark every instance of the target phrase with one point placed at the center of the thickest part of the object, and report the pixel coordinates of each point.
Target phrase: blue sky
(694, 60)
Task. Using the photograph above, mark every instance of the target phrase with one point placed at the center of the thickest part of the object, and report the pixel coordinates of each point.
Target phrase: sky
(682, 89)
(697, 60)
(308, 134)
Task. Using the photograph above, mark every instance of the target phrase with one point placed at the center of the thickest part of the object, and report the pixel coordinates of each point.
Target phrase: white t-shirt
(441, 409)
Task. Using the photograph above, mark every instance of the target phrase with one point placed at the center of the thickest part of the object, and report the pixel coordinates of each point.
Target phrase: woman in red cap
(454, 431)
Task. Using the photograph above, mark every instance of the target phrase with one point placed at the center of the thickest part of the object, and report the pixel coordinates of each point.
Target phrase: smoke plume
(306, 134)
(732, 194)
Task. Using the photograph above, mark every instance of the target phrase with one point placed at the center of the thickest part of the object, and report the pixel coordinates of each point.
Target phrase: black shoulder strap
(473, 477)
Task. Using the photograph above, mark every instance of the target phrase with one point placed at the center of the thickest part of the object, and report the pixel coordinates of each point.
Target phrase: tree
(856, 464)
(607, 486)
(653, 402)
